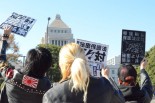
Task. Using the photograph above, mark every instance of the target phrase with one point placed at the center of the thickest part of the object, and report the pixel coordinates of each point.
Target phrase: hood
(132, 93)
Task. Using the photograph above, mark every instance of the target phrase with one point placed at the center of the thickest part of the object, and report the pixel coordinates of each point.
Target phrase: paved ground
(153, 100)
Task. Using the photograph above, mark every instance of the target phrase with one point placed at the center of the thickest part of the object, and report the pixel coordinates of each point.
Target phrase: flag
(30, 81)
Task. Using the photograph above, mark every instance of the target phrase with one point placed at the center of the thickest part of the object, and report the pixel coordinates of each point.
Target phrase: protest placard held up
(21, 24)
(133, 46)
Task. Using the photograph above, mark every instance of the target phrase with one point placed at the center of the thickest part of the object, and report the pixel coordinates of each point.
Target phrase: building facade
(113, 65)
(114, 61)
(58, 33)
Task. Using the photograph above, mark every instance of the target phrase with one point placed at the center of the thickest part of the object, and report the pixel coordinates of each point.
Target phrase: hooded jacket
(139, 94)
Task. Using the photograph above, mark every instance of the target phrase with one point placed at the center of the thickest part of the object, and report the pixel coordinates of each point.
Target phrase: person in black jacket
(27, 84)
(77, 85)
(133, 93)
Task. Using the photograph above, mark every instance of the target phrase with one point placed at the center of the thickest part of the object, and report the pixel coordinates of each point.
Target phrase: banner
(133, 46)
(96, 55)
(20, 24)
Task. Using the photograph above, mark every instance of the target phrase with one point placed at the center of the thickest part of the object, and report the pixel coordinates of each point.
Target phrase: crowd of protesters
(30, 85)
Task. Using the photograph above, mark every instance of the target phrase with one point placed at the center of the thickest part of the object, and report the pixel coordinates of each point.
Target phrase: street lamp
(47, 29)
(23, 60)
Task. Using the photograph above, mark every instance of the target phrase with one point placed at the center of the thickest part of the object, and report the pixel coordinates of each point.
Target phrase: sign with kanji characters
(20, 24)
(96, 54)
(133, 46)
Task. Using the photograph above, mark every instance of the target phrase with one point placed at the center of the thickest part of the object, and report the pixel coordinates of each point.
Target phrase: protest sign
(20, 24)
(96, 54)
(133, 46)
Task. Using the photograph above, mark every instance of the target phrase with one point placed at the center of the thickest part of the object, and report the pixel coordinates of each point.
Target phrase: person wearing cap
(133, 93)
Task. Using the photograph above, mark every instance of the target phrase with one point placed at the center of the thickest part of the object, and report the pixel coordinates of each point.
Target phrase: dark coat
(139, 94)
(15, 91)
(99, 91)
(19, 88)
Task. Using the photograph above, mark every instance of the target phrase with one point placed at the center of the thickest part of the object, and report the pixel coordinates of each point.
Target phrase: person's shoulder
(108, 84)
(45, 80)
(101, 80)
(58, 86)
(57, 90)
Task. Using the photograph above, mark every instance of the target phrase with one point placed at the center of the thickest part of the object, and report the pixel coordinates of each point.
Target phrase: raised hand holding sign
(21, 24)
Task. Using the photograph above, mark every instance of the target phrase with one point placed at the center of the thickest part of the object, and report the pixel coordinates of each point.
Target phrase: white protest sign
(96, 54)
(20, 24)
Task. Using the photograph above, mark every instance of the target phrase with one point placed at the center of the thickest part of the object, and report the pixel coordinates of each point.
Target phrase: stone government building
(58, 33)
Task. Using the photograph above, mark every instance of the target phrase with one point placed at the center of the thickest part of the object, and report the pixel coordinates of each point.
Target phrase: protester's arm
(4, 67)
(4, 44)
(105, 72)
(146, 84)
(118, 96)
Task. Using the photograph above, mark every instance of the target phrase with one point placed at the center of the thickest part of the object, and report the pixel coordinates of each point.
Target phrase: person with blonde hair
(77, 85)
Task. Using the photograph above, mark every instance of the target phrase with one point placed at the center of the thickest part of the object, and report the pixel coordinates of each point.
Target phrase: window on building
(55, 42)
(61, 31)
(58, 31)
(55, 31)
(52, 41)
(113, 71)
(59, 42)
(65, 31)
(51, 30)
(65, 42)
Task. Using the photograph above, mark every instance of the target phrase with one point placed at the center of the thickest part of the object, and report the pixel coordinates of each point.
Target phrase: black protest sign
(133, 46)
(20, 24)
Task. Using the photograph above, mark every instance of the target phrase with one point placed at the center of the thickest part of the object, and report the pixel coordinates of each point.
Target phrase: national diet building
(58, 33)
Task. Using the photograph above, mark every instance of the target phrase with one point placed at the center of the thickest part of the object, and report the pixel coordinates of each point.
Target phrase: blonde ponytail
(80, 76)
(73, 64)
